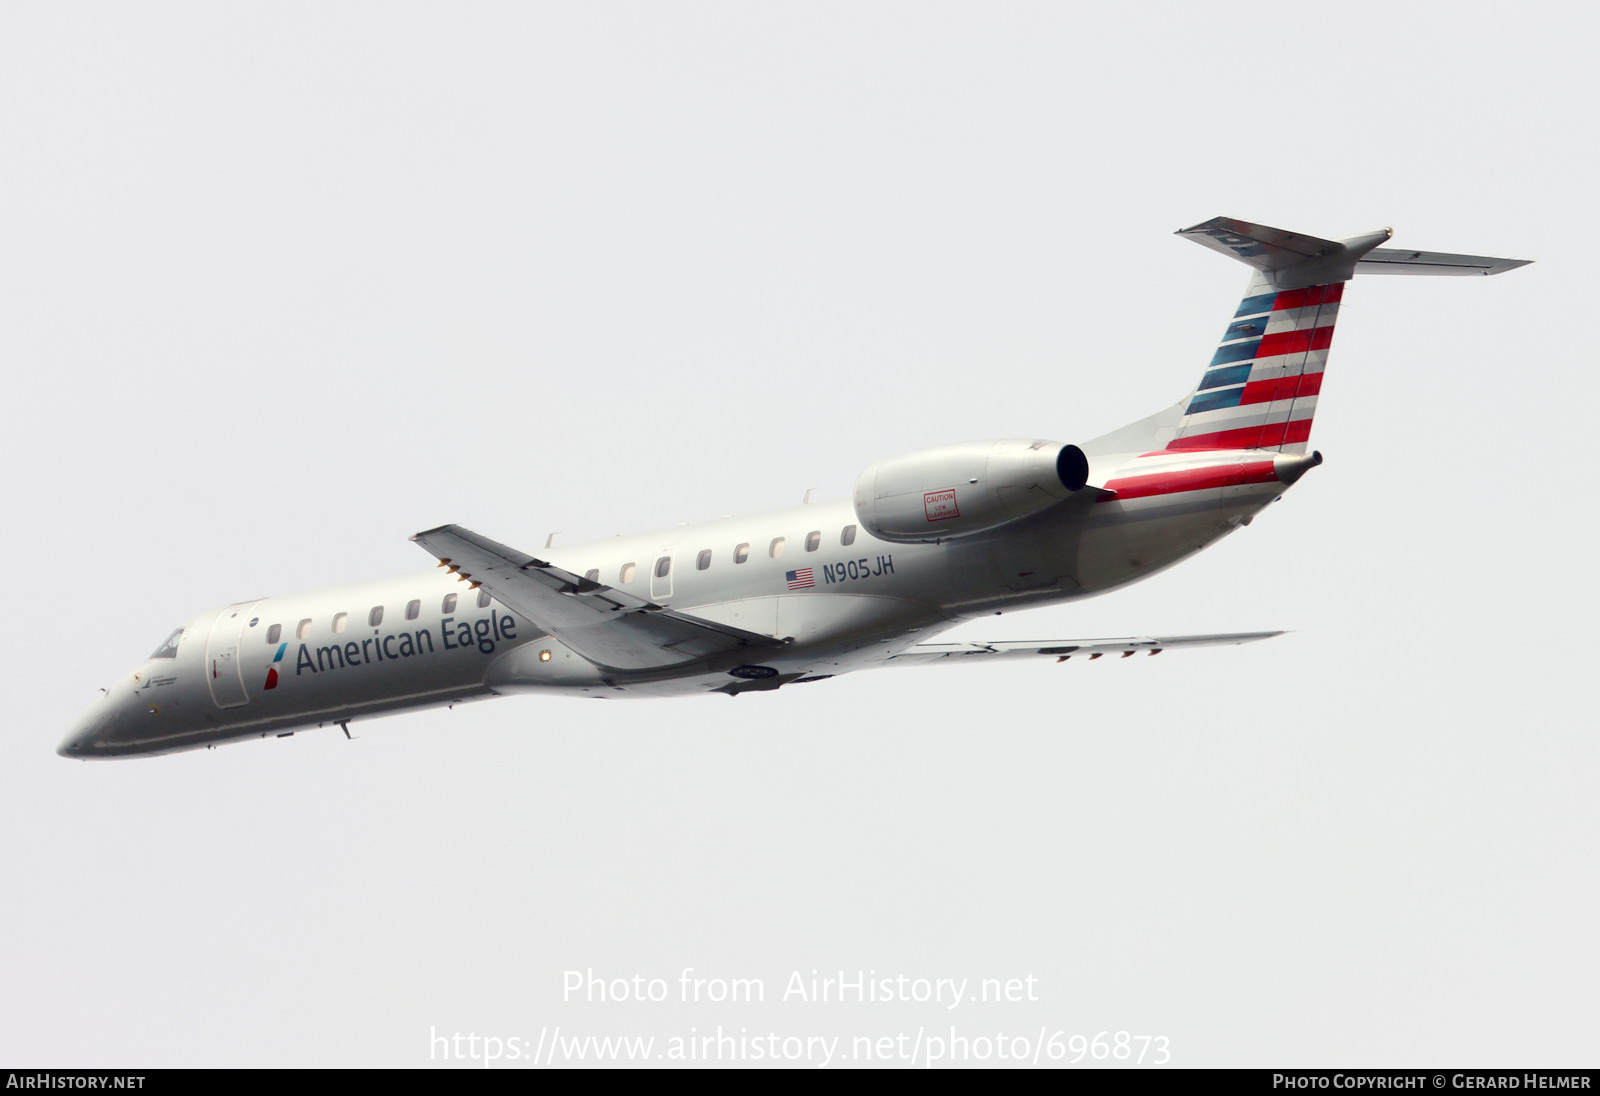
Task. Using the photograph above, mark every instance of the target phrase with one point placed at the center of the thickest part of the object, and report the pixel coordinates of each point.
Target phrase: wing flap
(927, 654)
(611, 628)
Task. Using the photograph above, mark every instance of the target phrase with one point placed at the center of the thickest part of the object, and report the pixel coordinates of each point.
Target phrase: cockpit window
(169, 649)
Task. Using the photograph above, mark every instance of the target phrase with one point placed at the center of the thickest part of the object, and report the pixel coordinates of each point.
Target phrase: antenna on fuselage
(344, 725)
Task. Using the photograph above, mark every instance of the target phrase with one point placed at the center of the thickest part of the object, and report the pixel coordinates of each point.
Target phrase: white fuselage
(276, 665)
(928, 539)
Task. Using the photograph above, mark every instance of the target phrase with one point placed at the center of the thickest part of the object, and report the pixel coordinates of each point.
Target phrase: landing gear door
(224, 662)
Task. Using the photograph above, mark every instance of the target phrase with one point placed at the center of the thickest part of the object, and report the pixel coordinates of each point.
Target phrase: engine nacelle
(958, 490)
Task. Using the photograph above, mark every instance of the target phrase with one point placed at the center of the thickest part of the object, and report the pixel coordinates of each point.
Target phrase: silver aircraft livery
(753, 604)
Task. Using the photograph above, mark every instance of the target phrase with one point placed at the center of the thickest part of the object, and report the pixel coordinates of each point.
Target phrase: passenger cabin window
(273, 634)
(703, 560)
(813, 540)
(776, 550)
(304, 629)
(169, 647)
(663, 566)
(593, 574)
(449, 605)
(741, 553)
(848, 537)
(375, 617)
(413, 610)
(627, 573)
(483, 599)
(339, 621)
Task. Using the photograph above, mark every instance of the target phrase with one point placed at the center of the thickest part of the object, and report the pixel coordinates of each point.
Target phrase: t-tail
(1260, 389)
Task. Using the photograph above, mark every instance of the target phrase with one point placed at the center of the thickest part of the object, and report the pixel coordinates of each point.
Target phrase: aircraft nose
(85, 733)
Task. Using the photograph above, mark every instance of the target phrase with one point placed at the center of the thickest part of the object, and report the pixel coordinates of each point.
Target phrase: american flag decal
(803, 579)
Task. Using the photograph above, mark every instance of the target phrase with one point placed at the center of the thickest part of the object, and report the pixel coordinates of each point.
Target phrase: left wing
(926, 654)
(611, 628)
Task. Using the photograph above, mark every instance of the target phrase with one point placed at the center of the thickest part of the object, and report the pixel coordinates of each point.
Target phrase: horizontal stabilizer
(1257, 245)
(1291, 260)
(925, 654)
(1394, 260)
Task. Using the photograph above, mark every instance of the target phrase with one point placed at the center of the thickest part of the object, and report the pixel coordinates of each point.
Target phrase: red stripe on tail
(1248, 437)
(1295, 342)
(1312, 294)
(1283, 388)
(1190, 479)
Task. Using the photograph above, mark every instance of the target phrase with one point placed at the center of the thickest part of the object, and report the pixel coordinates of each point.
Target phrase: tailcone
(1289, 467)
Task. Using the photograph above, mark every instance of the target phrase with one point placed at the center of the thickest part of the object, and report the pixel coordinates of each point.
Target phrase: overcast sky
(281, 284)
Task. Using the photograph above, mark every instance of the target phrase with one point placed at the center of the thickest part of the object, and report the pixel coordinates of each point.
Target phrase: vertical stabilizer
(1260, 389)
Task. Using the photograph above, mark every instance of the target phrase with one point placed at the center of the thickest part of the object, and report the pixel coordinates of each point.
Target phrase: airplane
(928, 540)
